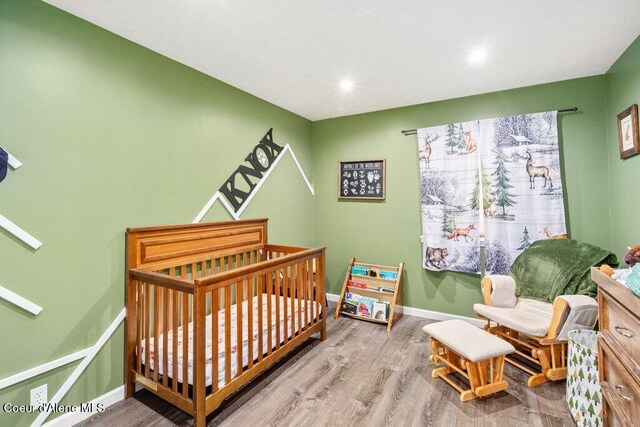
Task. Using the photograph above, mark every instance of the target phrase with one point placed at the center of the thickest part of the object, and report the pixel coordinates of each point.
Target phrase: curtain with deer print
(499, 175)
(448, 168)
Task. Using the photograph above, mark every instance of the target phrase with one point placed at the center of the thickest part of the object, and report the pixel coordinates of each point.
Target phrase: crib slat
(244, 261)
(277, 319)
(174, 342)
(139, 320)
(311, 296)
(319, 297)
(305, 293)
(310, 302)
(146, 330)
(269, 316)
(312, 319)
(239, 325)
(257, 282)
(157, 292)
(285, 302)
(165, 335)
(293, 292)
(214, 339)
(185, 344)
(249, 284)
(315, 289)
(192, 310)
(227, 334)
(184, 311)
(299, 297)
(248, 296)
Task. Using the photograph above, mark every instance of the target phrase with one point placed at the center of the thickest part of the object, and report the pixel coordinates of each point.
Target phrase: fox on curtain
(503, 174)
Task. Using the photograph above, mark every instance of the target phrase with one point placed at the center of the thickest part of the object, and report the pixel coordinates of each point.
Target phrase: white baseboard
(426, 314)
(72, 418)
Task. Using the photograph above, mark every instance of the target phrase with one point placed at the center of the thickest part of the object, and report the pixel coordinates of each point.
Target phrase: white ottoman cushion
(470, 342)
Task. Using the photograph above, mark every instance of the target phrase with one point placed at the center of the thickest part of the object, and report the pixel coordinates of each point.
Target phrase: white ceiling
(295, 53)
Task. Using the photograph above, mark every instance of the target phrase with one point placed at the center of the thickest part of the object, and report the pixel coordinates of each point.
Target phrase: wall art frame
(628, 139)
(362, 179)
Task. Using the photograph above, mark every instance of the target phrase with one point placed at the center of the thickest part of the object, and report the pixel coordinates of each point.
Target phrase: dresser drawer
(623, 327)
(612, 418)
(622, 391)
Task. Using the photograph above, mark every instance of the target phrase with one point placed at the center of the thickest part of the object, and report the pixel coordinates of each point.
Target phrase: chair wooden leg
(536, 380)
(558, 370)
(467, 395)
(542, 354)
(551, 358)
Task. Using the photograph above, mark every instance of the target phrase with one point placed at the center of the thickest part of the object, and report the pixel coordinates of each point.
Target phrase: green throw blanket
(553, 267)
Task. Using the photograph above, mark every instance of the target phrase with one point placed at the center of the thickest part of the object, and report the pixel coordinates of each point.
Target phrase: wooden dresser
(618, 351)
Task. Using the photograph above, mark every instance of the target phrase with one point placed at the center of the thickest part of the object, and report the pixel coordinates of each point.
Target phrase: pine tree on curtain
(508, 168)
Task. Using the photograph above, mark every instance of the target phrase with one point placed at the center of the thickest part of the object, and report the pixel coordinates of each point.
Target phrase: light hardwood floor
(362, 375)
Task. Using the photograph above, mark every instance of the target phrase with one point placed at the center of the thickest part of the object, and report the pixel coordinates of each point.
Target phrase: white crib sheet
(234, 335)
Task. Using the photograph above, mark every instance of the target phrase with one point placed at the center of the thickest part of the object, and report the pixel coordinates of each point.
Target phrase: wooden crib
(190, 286)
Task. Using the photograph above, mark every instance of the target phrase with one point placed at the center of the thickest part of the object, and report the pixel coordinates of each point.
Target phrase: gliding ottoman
(470, 351)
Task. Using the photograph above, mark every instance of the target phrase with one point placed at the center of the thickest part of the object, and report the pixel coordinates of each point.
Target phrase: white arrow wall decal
(13, 162)
(19, 301)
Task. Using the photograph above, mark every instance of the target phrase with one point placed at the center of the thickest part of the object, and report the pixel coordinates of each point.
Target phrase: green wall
(112, 136)
(388, 232)
(623, 90)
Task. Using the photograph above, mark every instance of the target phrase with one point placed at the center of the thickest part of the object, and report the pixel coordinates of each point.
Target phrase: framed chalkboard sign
(362, 179)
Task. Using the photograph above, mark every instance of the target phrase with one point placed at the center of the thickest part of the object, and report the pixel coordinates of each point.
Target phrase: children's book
(360, 271)
(389, 275)
(355, 284)
(352, 297)
(365, 306)
(350, 307)
(380, 311)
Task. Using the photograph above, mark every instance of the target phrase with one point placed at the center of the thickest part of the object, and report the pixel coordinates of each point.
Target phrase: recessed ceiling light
(477, 56)
(346, 84)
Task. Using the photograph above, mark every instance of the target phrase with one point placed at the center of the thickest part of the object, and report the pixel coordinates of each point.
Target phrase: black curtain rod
(566, 110)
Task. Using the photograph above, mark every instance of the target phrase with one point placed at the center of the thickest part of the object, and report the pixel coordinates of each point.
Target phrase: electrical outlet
(39, 395)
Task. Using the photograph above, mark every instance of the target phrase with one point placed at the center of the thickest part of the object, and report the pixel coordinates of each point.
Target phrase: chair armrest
(579, 301)
(572, 312)
(499, 291)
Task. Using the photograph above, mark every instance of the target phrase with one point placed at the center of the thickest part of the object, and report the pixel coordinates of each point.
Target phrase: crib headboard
(155, 248)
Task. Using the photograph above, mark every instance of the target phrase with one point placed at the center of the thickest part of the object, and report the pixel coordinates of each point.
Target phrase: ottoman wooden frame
(485, 376)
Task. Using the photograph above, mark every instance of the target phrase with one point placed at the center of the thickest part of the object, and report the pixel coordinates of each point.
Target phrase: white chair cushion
(468, 341)
(503, 291)
(525, 321)
(540, 308)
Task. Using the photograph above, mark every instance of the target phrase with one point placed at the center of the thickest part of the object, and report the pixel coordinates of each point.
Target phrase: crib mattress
(221, 339)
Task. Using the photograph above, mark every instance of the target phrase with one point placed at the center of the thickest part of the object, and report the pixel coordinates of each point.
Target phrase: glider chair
(537, 330)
